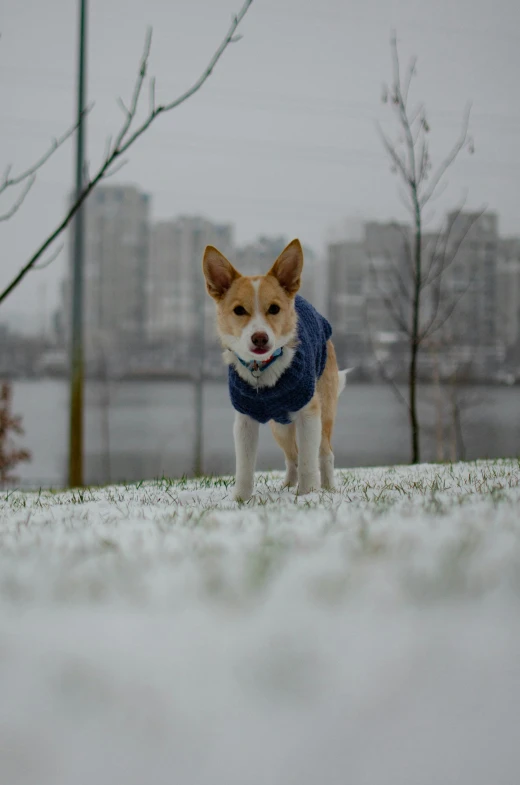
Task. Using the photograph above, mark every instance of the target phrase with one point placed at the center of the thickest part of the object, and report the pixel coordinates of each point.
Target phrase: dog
(282, 368)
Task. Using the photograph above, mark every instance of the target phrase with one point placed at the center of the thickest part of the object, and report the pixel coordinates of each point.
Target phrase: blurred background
(280, 142)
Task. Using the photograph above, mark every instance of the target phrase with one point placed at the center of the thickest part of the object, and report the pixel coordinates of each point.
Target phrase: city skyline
(169, 251)
(146, 311)
(349, 229)
(278, 142)
(145, 301)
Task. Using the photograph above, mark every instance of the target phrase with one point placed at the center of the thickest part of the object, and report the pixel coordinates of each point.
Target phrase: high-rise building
(508, 293)
(347, 276)
(470, 285)
(116, 245)
(115, 272)
(366, 305)
(176, 291)
(463, 294)
(389, 284)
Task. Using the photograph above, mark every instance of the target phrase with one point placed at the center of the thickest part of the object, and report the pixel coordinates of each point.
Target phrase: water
(137, 430)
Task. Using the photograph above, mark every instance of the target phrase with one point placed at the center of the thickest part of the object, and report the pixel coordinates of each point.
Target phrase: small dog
(282, 368)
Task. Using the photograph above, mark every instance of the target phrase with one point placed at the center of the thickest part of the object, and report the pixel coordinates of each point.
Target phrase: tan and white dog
(262, 323)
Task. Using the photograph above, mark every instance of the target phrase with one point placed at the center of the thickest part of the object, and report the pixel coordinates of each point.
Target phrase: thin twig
(21, 199)
(389, 302)
(446, 260)
(408, 78)
(394, 155)
(403, 117)
(123, 140)
(434, 327)
(51, 258)
(8, 182)
(117, 168)
(445, 165)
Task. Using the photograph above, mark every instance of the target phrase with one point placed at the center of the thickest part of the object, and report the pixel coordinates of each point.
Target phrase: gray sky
(281, 139)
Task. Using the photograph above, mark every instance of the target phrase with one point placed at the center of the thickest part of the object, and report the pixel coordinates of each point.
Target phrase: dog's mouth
(260, 350)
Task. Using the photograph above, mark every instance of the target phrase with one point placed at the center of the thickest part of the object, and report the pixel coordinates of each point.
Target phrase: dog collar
(257, 367)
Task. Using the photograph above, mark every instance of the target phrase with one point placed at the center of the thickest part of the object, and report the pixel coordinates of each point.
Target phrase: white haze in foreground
(161, 634)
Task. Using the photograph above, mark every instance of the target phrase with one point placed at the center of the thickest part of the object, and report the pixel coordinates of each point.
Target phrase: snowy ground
(161, 634)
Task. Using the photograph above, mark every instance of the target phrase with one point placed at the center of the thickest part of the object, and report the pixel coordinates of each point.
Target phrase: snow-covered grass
(160, 633)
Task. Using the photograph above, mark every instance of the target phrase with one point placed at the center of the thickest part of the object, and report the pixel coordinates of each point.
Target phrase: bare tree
(423, 263)
(10, 454)
(118, 145)
(26, 179)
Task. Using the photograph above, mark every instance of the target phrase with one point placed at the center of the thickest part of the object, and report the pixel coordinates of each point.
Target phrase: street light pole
(76, 345)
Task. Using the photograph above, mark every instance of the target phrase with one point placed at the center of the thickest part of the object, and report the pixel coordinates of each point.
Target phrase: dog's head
(255, 314)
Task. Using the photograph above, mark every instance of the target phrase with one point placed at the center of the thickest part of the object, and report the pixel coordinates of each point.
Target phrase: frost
(161, 633)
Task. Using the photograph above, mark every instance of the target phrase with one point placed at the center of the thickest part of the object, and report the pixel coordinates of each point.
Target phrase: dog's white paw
(327, 471)
(242, 493)
(308, 483)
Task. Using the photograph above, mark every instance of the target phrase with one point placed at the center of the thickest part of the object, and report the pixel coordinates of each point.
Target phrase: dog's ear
(288, 267)
(218, 272)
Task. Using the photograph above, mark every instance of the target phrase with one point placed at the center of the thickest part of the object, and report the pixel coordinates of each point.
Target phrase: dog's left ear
(288, 267)
(218, 272)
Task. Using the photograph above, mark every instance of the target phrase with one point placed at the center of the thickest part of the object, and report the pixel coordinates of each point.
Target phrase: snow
(162, 633)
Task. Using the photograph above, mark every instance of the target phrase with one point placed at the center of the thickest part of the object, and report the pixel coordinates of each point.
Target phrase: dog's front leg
(245, 431)
(308, 428)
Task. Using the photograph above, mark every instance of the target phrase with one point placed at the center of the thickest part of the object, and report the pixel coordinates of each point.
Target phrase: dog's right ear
(218, 272)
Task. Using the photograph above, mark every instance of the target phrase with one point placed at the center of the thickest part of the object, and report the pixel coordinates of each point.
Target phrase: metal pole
(76, 346)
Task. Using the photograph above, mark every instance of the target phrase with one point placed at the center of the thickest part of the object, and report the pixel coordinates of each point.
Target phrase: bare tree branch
(138, 86)
(389, 302)
(394, 155)
(410, 72)
(152, 94)
(446, 258)
(445, 165)
(125, 139)
(400, 104)
(28, 176)
(8, 182)
(434, 325)
(413, 165)
(116, 168)
(405, 201)
(437, 261)
(401, 283)
(437, 194)
(21, 199)
(416, 113)
(54, 255)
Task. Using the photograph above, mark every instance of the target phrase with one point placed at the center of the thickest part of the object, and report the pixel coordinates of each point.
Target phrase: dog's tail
(343, 379)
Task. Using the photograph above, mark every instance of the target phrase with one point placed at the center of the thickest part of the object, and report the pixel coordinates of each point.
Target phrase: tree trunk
(412, 390)
(414, 338)
(439, 408)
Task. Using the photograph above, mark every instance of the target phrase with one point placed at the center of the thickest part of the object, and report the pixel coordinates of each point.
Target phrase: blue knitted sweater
(295, 387)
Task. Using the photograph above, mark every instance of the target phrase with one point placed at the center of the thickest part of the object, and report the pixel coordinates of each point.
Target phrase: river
(137, 430)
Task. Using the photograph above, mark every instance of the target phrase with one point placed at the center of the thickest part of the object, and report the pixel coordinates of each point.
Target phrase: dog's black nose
(260, 340)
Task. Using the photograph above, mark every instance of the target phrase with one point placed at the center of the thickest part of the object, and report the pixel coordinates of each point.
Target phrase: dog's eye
(240, 310)
(273, 309)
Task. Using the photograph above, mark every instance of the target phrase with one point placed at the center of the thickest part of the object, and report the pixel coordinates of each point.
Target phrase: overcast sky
(281, 139)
